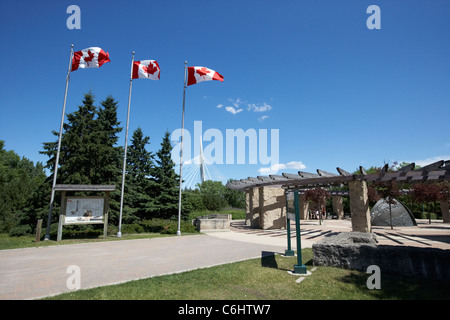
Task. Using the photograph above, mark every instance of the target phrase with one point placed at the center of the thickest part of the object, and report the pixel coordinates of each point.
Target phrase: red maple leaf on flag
(202, 71)
(151, 68)
(91, 56)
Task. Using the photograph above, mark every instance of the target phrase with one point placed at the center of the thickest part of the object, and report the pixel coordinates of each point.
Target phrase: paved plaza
(32, 273)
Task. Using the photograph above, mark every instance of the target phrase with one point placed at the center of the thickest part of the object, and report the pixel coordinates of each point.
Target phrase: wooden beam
(362, 170)
(432, 166)
(342, 172)
(292, 176)
(325, 174)
(308, 175)
(278, 177)
(246, 181)
(407, 168)
(384, 169)
(263, 178)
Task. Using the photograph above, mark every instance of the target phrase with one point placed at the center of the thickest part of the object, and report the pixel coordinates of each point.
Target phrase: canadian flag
(93, 57)
(148, 69)
(199, 74)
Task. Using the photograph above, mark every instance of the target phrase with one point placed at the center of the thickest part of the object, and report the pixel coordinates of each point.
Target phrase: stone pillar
(248, 200)
(252, 208)
(272, 202)
(359, 206)
(304, 206)
(338, 206)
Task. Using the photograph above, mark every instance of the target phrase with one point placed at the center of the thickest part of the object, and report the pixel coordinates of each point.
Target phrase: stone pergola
(266, 195)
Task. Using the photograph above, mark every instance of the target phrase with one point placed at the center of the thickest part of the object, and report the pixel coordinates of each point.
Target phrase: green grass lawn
(265, 279)
(8, 242)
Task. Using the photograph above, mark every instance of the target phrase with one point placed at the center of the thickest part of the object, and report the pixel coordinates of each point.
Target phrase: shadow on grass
(395, 287)
(268, 260)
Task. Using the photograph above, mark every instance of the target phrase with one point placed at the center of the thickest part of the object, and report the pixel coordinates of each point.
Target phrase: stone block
(212, 224)
(272, 208)
(338, 206)
(359, 206)
(252, 208)
(358, 251)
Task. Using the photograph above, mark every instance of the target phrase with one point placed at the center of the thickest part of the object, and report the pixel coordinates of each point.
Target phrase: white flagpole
(55, 172)
(181, 153)
(119, 233)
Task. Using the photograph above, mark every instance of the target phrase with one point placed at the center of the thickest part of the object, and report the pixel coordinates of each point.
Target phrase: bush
(20, 231)
(153, 225)
(76, 231)
(236, 214)
(132, 228)
(166, 226)
(424, 215)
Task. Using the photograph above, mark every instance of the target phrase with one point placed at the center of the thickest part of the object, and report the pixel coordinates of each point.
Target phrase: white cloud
(233, 110)
(273, 169)
(428, 161)
(235, 106)
(255, 108)
(236, 103)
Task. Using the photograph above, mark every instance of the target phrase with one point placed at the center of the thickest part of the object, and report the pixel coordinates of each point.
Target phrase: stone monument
(401, 216)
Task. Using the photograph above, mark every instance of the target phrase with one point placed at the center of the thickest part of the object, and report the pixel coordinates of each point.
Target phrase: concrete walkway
(32, 273)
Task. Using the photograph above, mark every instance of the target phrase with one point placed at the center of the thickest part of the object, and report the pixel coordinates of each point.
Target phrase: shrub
(76, 231)
(132, 228)
(166, 226)
(20, 231)
(424, 215)
(153, 225)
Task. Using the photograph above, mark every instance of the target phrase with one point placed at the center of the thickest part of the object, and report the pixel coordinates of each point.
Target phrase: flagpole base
(119, 234)
(289, 253)
(300, 269)
(178, 233)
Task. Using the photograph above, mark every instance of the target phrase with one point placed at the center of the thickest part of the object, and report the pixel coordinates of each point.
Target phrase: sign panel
(84, 210)
(291, 216)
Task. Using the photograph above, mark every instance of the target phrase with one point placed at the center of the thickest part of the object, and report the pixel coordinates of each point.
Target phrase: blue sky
(340, 94)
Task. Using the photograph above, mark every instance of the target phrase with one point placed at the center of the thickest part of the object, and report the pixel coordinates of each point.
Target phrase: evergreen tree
(139, 183)
(88, 154)
(167, 182)
(109, 158)
(77, 147)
